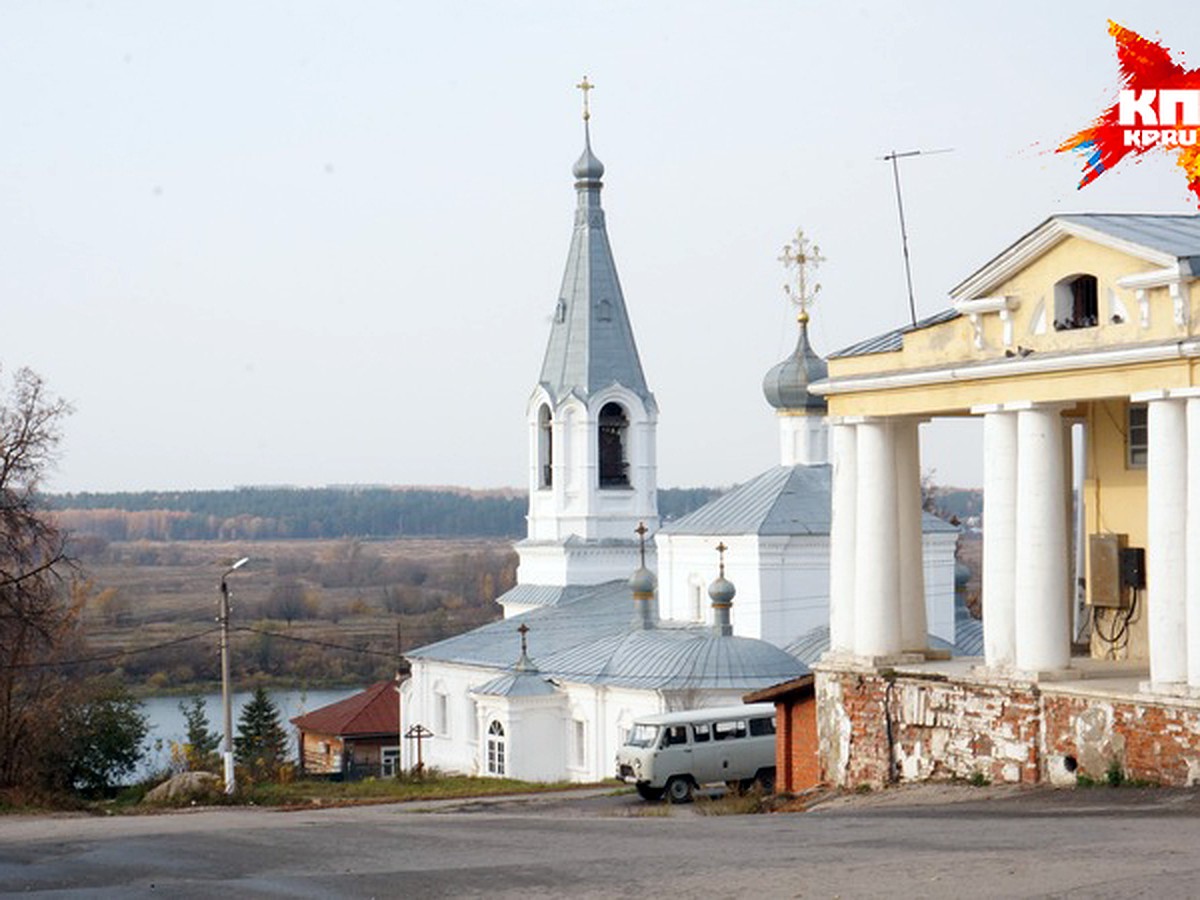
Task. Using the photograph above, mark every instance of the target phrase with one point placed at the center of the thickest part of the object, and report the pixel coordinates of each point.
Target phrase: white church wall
(939, 583)
(795, 587)
(438, 697)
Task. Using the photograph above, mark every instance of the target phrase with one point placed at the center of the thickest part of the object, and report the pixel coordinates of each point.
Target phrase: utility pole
(892, 157)
(226, 698)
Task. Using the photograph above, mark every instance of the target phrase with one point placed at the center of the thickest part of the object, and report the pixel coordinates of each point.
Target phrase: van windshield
(642, 736)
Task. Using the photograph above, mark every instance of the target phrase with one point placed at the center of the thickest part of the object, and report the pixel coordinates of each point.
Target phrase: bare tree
(38, 616)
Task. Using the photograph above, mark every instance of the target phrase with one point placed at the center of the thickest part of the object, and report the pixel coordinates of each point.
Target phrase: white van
(674, 753)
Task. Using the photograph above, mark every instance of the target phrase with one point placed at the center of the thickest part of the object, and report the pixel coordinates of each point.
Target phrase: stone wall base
(880, 726)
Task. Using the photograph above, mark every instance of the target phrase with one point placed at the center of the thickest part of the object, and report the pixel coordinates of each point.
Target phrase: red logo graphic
(1158, 107)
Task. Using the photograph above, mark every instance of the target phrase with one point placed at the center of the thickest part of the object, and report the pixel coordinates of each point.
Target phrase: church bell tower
(591, 417)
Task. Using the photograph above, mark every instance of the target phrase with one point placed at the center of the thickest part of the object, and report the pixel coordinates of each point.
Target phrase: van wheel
(765, 778)
(649, 793)
(679, 789)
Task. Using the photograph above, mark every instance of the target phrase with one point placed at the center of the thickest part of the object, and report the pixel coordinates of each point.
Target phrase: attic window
(1137, 441)
(545, 448)
(1076, 303)
(614, 428)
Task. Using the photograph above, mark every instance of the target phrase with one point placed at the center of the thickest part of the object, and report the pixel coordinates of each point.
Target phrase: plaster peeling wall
(1012, 732)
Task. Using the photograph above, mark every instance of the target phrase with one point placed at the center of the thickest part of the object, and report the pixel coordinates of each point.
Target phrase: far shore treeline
(271, 513)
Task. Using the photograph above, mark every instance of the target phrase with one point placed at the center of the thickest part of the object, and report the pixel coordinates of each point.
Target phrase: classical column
(999, 535)
(1192, 594)
(914, 630)
(877, 575)
(841, 539)
(1166, 538)
(1042, 626)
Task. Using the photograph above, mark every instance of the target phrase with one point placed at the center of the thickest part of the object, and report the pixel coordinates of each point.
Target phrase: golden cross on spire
(805, 257)
(585, 86)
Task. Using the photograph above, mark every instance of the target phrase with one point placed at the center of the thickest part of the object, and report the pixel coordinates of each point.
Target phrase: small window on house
(545, 448)
(495, 749)
(441, 713)
(614, 428)
(1076, 303)
(389, 762)
(1137, 437)
(578, 743)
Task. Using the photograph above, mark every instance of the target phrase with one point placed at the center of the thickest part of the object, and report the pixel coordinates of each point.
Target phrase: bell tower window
(545, 448)
(1076, 303)
(614, 431)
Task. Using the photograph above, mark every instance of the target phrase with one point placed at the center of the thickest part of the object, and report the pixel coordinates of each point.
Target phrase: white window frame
(497, 750)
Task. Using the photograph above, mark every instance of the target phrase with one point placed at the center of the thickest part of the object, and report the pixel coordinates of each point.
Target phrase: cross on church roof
(585, 86)
(523, 630)
(721, 548)
(641, 533)
(805, 257)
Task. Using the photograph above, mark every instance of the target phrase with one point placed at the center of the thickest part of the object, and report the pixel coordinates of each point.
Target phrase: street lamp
(227, 750)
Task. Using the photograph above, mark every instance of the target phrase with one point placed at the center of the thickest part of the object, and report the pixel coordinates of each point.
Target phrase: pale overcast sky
(314, 242)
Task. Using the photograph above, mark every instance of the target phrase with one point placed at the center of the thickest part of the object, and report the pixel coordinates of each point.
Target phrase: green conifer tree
(261, 742)
(202, 742)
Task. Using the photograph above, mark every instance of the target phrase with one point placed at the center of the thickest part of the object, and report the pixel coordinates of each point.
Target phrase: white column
(1042, 627)
(999, 536)
(1166, 540)
(1192, 597)
(841, 539)
(914, 630)
(877, 575)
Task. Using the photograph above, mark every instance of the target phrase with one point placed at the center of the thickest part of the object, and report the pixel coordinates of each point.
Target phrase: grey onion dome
(588, 167)
(786, 385)
(722, 590)
(642, 581)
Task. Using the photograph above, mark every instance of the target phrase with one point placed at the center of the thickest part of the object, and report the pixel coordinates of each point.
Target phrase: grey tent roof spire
(591, 341)
(524, 663)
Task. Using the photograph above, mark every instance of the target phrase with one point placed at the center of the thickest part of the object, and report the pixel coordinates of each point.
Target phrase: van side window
(675, 734)
(760, 727)
(723, 731)
(700, 733)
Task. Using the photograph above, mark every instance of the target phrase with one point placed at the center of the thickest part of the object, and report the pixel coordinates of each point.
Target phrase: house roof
(893, 340)
(375, 710)
(591, 342)
(784, 500)
(1174, 235)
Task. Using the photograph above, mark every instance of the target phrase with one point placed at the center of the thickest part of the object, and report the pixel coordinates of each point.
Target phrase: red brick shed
(796, 762)
(354, 737)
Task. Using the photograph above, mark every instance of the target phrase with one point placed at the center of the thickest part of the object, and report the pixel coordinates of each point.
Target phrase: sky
(315, 243)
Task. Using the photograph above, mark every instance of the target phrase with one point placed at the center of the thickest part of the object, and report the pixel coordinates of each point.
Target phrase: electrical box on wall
(1133, 567)
(1110, 563)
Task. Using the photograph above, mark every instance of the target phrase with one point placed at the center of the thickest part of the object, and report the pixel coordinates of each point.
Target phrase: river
(167, 723)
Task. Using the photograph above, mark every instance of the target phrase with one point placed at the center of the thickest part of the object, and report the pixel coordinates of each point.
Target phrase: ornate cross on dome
(805, 257)
(641, 533)
(523, 630)
(721, 548)
(585, 86)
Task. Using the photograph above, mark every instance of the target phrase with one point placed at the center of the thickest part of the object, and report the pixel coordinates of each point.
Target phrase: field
(319, 612)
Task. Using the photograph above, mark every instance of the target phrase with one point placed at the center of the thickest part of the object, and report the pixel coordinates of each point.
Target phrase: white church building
(591, 639)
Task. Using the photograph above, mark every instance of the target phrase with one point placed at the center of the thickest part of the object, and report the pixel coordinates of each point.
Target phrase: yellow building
(1080, 339)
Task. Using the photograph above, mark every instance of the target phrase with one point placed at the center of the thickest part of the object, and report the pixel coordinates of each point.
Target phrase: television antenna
(892, 158)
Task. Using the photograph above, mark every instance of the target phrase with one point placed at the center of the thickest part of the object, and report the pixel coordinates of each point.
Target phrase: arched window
(1076, 303)
(495, 749)
(545, 448)
(614, 428)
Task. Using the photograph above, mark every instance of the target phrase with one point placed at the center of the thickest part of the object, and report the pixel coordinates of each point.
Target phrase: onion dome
(786, 385)
(588, 167)
(642, 581)
(722, 591)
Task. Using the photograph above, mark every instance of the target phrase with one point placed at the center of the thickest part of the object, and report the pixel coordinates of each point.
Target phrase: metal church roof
(784, 500)
(516, 684)
(591, 341)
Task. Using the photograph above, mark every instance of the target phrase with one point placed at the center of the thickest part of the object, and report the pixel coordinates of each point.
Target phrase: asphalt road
(1097, 843)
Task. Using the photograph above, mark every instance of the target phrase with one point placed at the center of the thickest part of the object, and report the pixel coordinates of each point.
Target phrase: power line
(116, 654)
